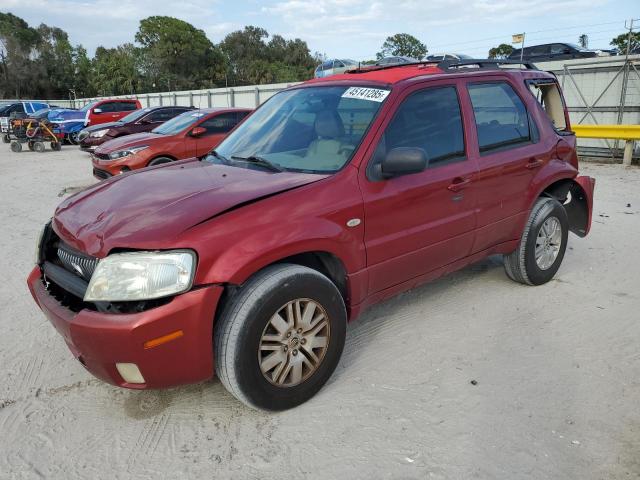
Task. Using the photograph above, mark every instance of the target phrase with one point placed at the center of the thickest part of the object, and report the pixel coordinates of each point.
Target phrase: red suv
(334, 195)
(104, 111)
(191, 134)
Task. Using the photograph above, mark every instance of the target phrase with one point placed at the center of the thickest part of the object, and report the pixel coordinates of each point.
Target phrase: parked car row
(190, 133)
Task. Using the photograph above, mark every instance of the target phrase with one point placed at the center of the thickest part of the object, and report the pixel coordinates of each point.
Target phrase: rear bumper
(101, 340)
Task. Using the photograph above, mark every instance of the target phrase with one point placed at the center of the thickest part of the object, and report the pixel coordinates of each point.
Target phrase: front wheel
(6, 138)
(541, 249)
(16, 147)
(280, 337)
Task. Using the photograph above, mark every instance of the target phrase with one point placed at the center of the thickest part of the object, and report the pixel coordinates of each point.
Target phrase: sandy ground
(556, 373)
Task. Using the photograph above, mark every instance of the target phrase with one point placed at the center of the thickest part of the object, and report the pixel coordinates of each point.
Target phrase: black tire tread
(514, 263)
(234, 316)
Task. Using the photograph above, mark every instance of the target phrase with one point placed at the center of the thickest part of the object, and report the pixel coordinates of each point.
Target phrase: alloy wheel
(294, 342)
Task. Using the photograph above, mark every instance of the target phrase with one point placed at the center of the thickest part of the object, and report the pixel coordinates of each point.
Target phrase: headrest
(329, 124)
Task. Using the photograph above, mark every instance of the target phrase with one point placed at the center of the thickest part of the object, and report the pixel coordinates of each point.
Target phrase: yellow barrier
(628, 133)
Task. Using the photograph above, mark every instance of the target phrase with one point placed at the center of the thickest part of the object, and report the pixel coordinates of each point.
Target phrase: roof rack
(484, 63)
(448, 65)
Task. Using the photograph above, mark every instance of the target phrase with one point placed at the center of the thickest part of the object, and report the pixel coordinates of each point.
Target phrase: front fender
(239, 261)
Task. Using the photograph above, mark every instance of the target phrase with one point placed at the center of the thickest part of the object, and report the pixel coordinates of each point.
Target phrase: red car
(138, 121)
(191, 134)
(332, 196)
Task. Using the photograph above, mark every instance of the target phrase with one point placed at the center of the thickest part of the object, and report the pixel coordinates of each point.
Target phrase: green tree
(501, 51)
(403, 44)
(622, 40)
(56, 57)
(253, 60)
(19, 75)
(83, 71)
(177, 54)
(115, 71)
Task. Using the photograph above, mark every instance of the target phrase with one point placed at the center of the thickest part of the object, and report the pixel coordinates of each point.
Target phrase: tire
(56, 146)
(30, 145)
(5, 138)
(38, 147)
(16, 147)
(72, 138)
(521, 265)
(240, 345)
(159, 161)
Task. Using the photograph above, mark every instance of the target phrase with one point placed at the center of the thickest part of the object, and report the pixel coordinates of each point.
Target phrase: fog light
(130, 372)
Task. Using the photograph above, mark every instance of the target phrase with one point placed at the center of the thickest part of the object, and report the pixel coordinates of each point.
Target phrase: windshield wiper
(224, 159)
(263, 162)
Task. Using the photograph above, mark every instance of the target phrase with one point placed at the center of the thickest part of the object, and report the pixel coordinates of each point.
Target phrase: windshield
(88, 106)
(179, 123)
(312, 129)
(135, 115)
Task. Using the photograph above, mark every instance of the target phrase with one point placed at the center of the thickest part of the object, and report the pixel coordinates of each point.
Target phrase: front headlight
(99, 133)
(127, 152)
(122, 277)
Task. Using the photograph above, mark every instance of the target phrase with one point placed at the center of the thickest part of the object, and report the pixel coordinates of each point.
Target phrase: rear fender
(580, 205)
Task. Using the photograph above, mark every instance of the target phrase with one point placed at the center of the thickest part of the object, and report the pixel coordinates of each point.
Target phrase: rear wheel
(159, 161)
(30, 145)
(541, 249)
(16, 146)
(57, 146)
(38, 147)
(280, 337)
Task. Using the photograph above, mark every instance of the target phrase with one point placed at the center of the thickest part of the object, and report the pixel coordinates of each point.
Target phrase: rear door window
(500, 115)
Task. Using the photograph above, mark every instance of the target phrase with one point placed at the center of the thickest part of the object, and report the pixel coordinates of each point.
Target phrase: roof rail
(448, 65)
(484, 63)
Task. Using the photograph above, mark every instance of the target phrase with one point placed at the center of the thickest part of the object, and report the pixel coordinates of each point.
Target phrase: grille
(77, 263)
(101, 174)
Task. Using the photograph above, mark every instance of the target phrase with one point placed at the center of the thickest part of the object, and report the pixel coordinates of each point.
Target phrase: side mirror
(97, 110)
(404, 161)
(198, 131)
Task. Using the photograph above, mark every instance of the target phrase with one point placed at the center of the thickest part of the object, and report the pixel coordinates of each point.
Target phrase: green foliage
(170, 55)
(501, 51)
(622, 40)
(251, 60)
(403, 44)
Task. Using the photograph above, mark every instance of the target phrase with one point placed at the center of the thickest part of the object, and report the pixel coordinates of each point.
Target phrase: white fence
(247, 97)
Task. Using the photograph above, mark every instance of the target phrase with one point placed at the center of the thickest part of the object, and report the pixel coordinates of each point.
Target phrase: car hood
(148, 209)
(130, 141)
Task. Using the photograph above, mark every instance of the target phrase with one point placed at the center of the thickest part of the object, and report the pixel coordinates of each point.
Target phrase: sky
(345, 28)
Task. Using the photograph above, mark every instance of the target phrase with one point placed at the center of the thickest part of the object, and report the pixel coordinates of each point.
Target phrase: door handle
(458, 184)
(534, 163)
